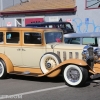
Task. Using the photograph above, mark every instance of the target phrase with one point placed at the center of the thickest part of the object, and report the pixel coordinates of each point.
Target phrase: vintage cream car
(41, 52)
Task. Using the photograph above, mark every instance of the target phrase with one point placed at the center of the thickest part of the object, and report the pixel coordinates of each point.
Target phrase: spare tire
(48, 61)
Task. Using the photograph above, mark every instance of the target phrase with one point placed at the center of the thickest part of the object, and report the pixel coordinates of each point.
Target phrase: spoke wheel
(75, 75)
(49, 61)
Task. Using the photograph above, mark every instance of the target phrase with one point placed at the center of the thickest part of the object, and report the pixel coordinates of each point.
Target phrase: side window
(75, 41)
(1, 37)
(98, 41)
(62, 26)
(32, 38)
(12, 37)
(50, 26)
(67, 40)
(68, 26)
(91, 41)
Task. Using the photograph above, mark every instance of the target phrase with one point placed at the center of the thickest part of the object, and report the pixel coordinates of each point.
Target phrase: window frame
(75, 38)
(26, 44)
(13, 43)
(70, 40)
(96, 41)
(46, 32)
(1, 43)
(86, 8)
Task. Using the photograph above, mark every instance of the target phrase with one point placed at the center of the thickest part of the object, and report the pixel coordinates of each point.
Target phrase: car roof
(28, 28)
(90, 34)
(47, 23)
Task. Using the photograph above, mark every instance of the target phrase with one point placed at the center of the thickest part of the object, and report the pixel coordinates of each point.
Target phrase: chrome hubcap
(50, 63)
(73, 75)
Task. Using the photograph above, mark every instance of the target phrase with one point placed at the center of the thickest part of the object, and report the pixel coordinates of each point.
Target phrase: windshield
(51, 37)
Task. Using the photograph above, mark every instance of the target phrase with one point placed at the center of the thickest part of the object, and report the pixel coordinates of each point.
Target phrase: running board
(27, 74)
(95, 76)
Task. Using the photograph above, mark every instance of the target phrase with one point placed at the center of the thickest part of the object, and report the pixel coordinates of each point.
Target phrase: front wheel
(49, 61)
(75, 75)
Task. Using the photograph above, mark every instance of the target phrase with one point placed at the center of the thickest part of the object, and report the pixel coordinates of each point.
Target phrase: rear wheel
(75, 75)
(3, 71)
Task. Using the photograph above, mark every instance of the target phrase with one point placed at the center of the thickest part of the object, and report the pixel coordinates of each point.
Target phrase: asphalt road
(30, 88)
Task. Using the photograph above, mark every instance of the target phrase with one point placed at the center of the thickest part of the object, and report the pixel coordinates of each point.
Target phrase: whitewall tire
(49, 61)
(75, 75)
(3, 71)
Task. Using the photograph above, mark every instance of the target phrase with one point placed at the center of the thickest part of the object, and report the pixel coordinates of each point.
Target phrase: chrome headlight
(87, 51)
(97, 52)
(85, 54)
(88, 55)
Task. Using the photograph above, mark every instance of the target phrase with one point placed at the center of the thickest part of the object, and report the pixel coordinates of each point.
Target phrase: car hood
(65, 46)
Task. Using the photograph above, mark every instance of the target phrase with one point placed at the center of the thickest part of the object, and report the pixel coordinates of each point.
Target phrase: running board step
(95, 76)
(26, 74)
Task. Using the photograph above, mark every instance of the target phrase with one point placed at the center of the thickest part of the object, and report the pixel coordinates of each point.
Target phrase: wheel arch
(77, 62)
(59, 69)
(55, 72)
(9, 65)
(73, 79)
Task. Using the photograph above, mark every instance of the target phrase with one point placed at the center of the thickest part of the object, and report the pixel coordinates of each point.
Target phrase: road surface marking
(32, 92)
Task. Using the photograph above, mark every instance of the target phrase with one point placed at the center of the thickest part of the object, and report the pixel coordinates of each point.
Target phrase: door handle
(23, 50)
(18, 49)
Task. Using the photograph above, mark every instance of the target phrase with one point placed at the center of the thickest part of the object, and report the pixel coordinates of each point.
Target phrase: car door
(13, 47)
(2, 42)
(32, 49)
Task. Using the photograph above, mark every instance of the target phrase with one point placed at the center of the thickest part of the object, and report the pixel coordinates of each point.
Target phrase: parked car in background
(67, 27)
(42, 52)
(92, 38)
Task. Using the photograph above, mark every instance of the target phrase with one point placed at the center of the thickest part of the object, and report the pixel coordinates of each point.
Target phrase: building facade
(83, 14)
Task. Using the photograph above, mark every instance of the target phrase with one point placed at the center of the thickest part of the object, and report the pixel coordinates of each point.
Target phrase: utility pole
(13, 2)
(1, 5)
